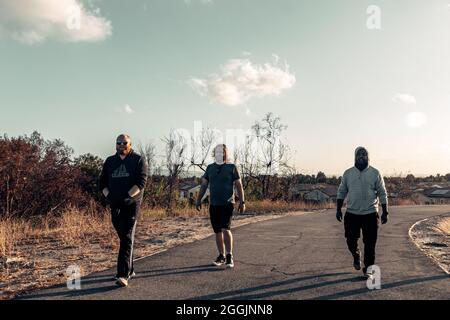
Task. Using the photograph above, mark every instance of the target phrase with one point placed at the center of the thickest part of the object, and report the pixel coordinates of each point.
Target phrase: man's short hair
(125, 136)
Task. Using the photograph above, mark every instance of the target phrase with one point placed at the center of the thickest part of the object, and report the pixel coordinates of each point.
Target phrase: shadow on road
(241, 293)
(250, 293)
(68, 294)
(97, 280)
(391, 285)
(166, 271)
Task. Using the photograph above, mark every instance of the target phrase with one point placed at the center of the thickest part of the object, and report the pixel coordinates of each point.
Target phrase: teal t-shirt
(221, 180)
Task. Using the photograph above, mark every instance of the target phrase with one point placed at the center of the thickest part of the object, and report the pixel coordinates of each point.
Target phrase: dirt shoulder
(432, 236)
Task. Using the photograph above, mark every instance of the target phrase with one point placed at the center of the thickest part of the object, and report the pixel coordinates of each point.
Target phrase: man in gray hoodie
(364, 186)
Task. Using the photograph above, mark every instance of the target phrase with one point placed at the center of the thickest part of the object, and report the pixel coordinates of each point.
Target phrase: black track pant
(369, 225)
(124, 219)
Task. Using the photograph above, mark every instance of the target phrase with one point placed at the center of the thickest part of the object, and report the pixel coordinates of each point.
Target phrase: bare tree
(202, 147)
(247, 161)
(284, 160)
(175, 147)
(273, 154)
(148, 151)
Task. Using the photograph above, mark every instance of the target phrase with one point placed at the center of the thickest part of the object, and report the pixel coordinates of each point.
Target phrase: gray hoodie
(364, 189)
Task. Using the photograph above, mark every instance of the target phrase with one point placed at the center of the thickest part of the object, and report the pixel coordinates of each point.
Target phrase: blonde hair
(225, 150)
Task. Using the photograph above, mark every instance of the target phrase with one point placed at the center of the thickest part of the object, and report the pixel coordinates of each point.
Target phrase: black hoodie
(119, 176)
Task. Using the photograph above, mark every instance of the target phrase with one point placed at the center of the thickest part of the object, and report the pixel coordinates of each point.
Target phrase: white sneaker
(123, 282)
(229, 261)
(220, 261)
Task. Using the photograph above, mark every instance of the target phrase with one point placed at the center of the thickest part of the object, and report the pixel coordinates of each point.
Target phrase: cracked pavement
(294, 257)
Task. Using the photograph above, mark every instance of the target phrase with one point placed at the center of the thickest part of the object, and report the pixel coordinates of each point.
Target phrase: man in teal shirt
(222, 177)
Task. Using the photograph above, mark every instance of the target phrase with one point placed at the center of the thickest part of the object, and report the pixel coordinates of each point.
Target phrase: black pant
(353, 224)
(124, 219)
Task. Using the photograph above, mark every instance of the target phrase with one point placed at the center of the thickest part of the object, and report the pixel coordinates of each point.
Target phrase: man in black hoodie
(122, 182)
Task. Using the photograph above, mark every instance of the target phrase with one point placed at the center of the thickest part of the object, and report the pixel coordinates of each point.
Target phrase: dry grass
(254, 207)
(36, 252)
(71, 228)
(267, 206)
(404, 202)
(160, 213)
(7, 239)
(444, 226)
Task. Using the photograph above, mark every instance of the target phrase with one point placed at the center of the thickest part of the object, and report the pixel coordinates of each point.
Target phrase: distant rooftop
(438, 193)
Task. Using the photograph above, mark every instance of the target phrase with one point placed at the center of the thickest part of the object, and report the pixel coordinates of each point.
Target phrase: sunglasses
(122, 143)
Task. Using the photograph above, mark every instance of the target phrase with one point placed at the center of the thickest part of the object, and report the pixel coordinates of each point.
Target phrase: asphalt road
(296, 257)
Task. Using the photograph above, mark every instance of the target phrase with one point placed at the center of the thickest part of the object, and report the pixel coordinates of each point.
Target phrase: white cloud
(125, 109)
(404, 98)
(241, 80)
(416, 119)
(128, 109)
(35, 21)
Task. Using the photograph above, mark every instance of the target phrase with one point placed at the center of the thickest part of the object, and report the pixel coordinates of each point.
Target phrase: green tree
(321, 177)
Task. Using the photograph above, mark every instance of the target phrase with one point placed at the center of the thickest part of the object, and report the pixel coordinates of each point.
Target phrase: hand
(241, 208)
(384, 218)
(198, 205)
(339, 215)
(129, 201)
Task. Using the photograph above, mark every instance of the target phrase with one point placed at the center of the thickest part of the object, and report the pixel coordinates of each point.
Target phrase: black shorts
(221, 217)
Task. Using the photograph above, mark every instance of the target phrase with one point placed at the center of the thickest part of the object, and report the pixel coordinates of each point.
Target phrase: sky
(339, 75)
